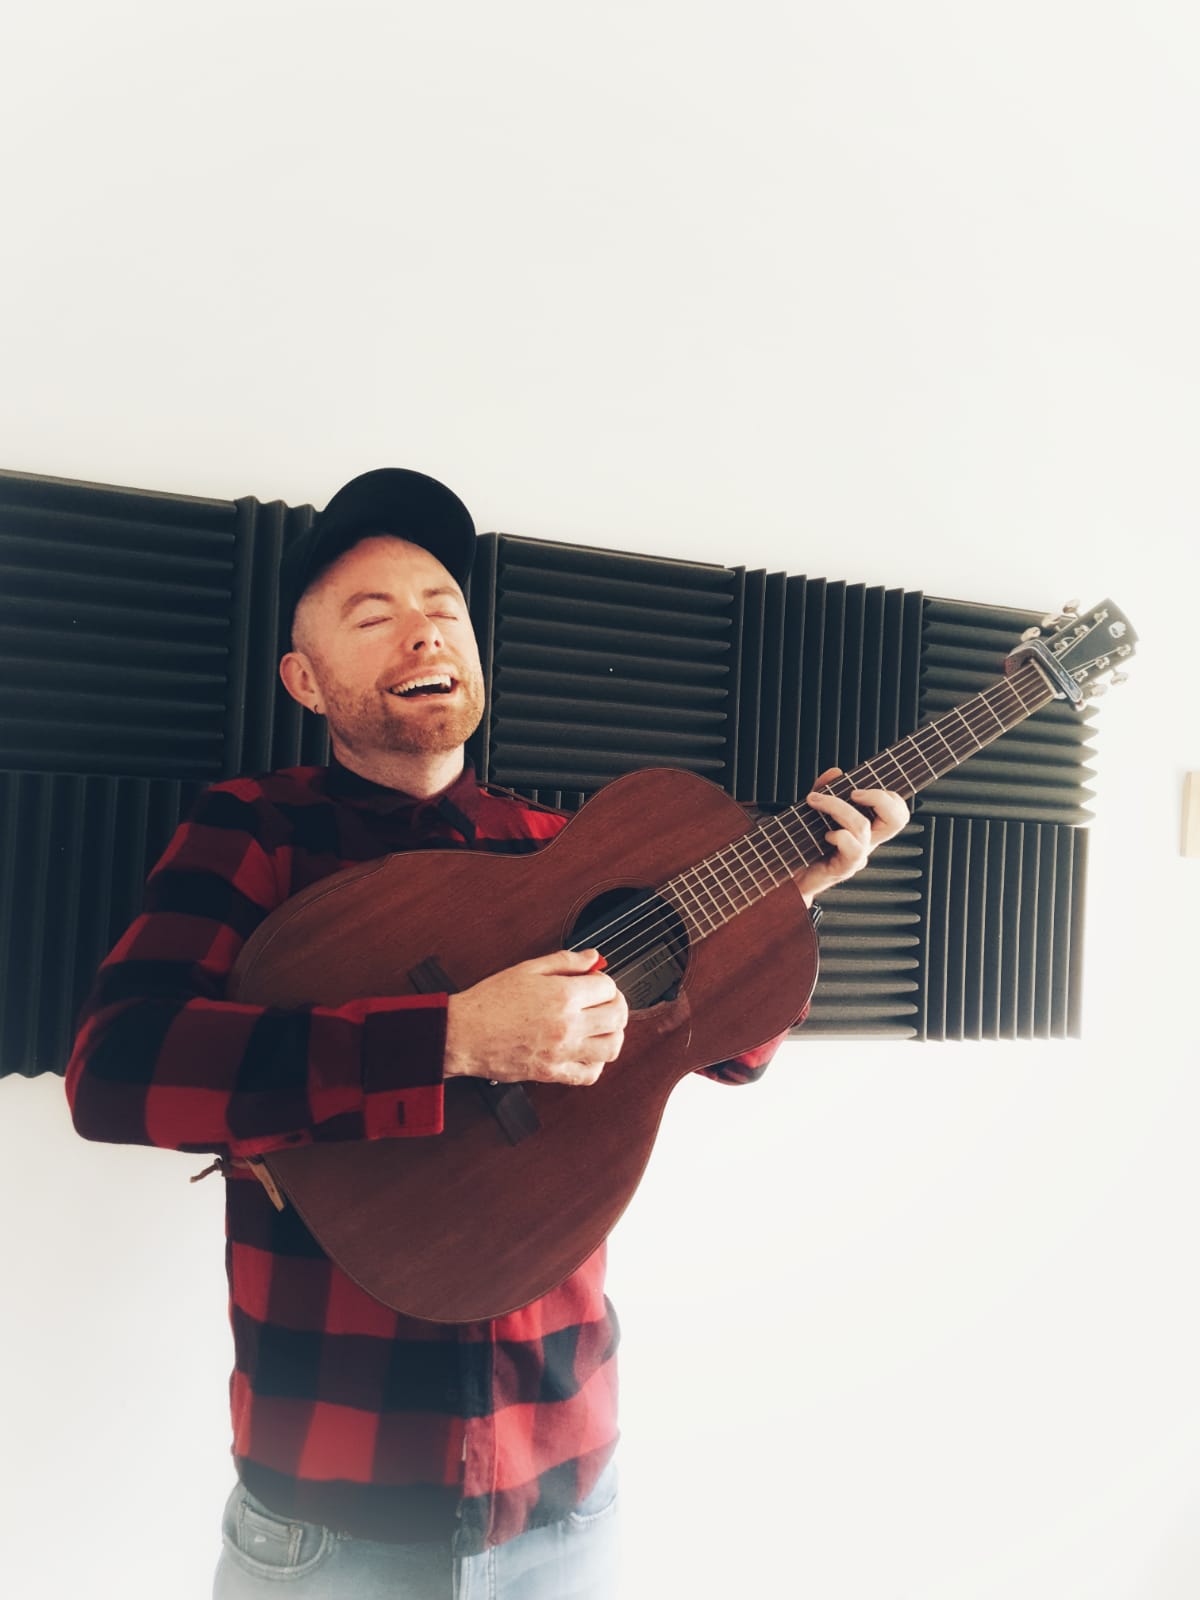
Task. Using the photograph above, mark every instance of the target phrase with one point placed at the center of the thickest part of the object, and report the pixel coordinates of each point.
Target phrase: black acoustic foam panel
(137, 643)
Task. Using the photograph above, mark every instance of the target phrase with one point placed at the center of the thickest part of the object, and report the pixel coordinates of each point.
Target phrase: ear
(300, 681)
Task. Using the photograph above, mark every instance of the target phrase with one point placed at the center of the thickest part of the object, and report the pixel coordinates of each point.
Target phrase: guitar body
(470, 1225)
(519, 1190)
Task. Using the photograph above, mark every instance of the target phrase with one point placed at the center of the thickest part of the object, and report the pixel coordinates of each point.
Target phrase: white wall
(902, 293)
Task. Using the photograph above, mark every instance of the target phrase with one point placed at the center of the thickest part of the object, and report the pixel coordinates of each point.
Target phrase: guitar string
(637, 940)
(738, 869)
(662, 919)
(696, 911)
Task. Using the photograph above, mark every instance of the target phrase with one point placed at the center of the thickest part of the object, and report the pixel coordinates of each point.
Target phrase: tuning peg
(1068, 612)
(1095, 690)
(1032, 633)
(1119, 677)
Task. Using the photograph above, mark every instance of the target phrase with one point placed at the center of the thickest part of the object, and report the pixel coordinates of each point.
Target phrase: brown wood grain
(467, 1225)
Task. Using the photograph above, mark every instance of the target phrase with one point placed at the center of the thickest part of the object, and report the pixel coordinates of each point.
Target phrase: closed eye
(442, 616)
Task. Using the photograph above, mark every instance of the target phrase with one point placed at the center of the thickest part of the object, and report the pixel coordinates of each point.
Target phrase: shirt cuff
(403, 1061)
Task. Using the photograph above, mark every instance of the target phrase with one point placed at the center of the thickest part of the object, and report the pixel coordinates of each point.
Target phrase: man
(375, 1453)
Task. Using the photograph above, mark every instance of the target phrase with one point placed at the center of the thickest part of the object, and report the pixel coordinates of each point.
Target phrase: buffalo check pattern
(344, 1412)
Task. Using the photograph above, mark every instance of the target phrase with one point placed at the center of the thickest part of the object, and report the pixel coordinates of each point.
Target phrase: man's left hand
(859, 834)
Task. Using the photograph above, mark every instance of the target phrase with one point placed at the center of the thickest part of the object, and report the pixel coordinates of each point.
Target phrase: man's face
(389, 643)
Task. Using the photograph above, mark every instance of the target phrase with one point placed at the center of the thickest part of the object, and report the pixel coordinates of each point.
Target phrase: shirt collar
(458, 806)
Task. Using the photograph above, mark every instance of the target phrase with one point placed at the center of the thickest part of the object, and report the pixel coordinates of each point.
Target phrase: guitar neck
(716, 889)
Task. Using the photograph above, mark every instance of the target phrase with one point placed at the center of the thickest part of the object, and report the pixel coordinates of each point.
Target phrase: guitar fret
(762, 864)
(967, 726)
(816, 843)
(933, 728)
(933, 770)
(705, 909)
(678, 889)
(763, 833)
(1000, 723)
(740, 874)
(867, 767)
(756, 868)
(724, 905)
(1015, 686)
(735, 877)
(903, 783)
(718, 885)
(704, 887)
(760, 836)
(1011, 690)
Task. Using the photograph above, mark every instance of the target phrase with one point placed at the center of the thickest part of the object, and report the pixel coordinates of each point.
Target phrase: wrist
(456, 1058)
(452, 1059)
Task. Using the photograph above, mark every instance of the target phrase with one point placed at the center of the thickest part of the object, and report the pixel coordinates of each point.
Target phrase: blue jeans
(268, 1555)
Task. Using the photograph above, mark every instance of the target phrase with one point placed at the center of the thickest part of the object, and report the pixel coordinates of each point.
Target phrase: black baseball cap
(392, 500)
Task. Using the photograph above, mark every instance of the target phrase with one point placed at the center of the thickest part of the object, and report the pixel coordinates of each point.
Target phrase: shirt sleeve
(751, 1064)
(162, 1058)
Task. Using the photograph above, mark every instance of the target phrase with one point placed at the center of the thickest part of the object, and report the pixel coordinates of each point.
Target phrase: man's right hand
(550, 1020)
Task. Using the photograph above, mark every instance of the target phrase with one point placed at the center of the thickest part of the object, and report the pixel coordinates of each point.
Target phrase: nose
(423, 633)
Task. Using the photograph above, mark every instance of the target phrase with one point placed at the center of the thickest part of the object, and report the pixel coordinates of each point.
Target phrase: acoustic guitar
(701, 925)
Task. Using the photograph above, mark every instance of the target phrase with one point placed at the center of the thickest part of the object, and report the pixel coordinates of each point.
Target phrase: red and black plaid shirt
(344, 1412)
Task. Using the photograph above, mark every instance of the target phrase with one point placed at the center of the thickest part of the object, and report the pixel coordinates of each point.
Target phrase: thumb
(566, 963)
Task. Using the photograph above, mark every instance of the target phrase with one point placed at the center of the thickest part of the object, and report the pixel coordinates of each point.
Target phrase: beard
(373, 722)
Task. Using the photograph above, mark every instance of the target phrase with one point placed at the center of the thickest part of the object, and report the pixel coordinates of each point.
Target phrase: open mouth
(434, 683)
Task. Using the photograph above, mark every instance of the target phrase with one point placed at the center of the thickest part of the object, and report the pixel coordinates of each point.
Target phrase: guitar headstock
(1081, 652)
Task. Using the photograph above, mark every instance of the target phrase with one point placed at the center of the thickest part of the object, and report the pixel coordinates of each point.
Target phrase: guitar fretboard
(716, 889)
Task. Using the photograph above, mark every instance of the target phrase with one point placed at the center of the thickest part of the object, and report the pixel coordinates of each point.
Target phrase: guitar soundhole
(643, 940)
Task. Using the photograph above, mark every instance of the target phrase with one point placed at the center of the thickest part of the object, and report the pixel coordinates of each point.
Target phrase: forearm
(200, 1074)
(163, 1058)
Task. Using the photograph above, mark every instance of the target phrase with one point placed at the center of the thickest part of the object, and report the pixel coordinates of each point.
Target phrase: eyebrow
(364, 595)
